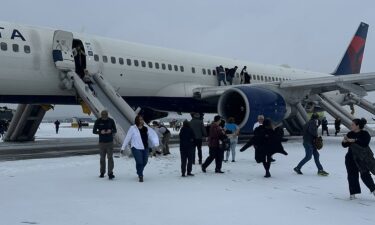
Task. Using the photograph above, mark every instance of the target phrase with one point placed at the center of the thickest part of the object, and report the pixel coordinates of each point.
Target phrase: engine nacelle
(246, 103)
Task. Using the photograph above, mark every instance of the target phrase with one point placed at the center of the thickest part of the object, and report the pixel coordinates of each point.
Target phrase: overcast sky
(310, 35)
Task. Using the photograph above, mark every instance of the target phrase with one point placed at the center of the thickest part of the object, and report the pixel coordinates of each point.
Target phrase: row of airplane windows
(15, 47)
(27, 50)
(164, 66)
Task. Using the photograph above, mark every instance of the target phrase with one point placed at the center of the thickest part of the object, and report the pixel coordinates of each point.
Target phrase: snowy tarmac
(69, 191)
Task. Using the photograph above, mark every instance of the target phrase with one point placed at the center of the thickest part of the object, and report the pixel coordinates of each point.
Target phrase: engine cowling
(246, 103)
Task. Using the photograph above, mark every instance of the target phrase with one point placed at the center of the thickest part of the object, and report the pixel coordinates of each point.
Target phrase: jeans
(310, 151)
(233, 144)
(141, 158)
(221, 77)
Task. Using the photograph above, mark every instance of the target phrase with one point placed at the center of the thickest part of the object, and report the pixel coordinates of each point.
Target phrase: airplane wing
(358, 84)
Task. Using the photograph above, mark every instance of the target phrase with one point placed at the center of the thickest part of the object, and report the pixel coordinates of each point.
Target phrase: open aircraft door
(62, 50)
(90, 48)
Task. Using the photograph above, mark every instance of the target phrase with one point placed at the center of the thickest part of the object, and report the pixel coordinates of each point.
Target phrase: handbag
(318, 143)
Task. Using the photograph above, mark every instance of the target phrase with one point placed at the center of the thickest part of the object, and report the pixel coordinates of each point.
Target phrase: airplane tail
(352, 60)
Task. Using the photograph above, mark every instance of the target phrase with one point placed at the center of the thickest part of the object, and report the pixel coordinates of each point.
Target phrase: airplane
(159, 80)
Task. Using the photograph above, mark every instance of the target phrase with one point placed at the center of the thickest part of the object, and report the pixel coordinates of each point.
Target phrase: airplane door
(62, 50)
(91, 64)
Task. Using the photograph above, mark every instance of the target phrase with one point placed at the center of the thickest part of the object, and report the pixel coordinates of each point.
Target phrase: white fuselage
(26, 76)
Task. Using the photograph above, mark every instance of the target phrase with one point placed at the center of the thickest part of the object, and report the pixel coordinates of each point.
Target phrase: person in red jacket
(216, 135)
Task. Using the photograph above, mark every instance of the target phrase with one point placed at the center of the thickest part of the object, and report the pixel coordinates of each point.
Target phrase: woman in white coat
(141, 138)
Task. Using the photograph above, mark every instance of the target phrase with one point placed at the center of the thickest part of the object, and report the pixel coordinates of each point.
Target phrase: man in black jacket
(106, 128)
(310, 132)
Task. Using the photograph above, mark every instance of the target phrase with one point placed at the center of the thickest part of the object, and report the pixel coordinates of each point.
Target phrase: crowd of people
(222, 138)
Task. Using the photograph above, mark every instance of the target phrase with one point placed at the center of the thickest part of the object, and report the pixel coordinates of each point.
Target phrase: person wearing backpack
(310, 132)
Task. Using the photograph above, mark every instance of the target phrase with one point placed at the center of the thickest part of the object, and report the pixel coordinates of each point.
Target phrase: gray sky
(310, 35)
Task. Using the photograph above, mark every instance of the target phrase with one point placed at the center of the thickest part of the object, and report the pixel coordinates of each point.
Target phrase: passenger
(242, 74)
(57, 126)
(310, 132)
(2, 128)
(232, 131)
(138, 137)
(156, 150)
(230, 74)
(165, 140)
(257, 124)
(337, 125)
(361, 138)
(325, 126)
(105, 127)
(196, 123)
(186, 148)
(216, 135)
(80, 124)
(268, 142)
(220, 75)
(79, 60)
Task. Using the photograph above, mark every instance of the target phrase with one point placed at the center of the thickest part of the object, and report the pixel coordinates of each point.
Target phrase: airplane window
(143, 63)
(96, 57)
(273, 79)
(175, 67)
(214, 72)
(163, 66)
(4, 46)
(209, 71)
(157, 65)
(105, 59)
(169, 66)
(129, 62)
(150, 64)
(113, 59)
(136, 63)
(121, 61)
(192, 69)
(26, 49)
(258, 78)
(182, 68)
(15, 48)
(90, 53)
(204, 71)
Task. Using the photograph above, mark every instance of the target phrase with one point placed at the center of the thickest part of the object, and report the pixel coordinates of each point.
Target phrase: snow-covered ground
(69, 191)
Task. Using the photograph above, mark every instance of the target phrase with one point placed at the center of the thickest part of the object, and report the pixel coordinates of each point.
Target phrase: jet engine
(246, 103)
